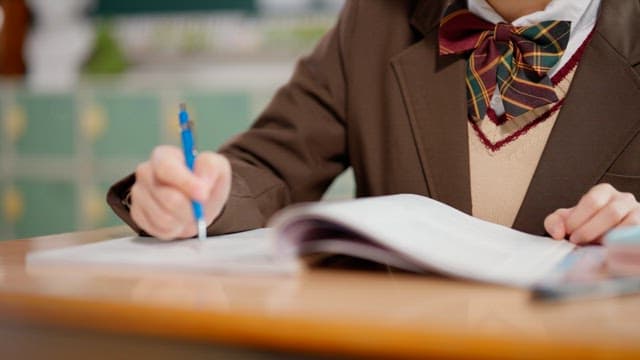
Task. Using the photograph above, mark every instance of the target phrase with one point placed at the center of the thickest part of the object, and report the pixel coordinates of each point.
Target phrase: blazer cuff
(239, 214)
(117, 198)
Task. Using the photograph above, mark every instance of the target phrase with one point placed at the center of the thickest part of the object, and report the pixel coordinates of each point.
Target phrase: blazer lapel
(599, 118)
(434, 93)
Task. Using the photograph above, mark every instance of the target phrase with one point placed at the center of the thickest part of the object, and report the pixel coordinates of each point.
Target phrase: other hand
(598, 211)
(164, 188)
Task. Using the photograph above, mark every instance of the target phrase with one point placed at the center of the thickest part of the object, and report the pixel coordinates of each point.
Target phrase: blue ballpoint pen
(188, 146)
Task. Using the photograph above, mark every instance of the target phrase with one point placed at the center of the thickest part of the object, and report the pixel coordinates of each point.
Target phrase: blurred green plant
(297, 37)
(107, 56)
(194, 41)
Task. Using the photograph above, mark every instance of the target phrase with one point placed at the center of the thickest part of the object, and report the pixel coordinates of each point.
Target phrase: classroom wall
(60, 150)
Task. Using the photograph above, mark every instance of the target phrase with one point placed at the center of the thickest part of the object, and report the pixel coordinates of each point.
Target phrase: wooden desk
(321, 311)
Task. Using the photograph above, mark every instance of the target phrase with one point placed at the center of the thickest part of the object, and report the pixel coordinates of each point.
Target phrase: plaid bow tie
(516, 59)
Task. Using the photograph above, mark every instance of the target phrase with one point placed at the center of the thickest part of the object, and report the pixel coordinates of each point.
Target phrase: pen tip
(202, 230)
(183, 107)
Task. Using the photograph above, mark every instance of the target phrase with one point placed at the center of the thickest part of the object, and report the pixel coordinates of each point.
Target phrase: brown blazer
(376, 96)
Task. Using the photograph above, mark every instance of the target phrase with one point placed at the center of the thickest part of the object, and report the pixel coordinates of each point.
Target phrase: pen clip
(189, 125)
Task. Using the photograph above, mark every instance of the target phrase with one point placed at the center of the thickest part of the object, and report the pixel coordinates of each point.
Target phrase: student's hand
(600, 210)
(161, 196)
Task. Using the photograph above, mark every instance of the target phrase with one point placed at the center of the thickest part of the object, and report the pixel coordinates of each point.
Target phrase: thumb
(215, 170)
(169, 168)
(555, 223)
(210, 167)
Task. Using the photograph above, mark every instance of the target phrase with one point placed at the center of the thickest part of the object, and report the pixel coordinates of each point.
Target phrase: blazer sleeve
(295, 148)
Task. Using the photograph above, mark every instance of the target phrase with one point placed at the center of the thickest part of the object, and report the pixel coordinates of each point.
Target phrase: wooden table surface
(353, 313)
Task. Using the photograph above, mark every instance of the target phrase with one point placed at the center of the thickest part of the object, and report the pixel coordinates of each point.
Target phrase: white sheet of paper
(250, 252)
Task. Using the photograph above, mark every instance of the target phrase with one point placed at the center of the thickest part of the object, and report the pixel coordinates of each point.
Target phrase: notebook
(407, 231)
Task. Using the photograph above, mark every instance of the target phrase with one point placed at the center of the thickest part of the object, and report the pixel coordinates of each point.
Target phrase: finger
(167, 198)
(216, 169)
(138, 217)
(554, 224)
(169, 168)
(191, 230)
(162, 224)
(144, 173)
(209, 166)
(175, 203)
(594, 200)
(605, 219)
(633, 218)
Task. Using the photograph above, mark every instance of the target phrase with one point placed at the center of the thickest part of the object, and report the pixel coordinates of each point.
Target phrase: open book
(419, 234)
(411, 232)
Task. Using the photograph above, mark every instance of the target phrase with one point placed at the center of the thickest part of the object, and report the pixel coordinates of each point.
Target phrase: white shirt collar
(568, 10)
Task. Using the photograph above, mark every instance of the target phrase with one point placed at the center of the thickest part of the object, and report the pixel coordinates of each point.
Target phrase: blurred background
(89, 87)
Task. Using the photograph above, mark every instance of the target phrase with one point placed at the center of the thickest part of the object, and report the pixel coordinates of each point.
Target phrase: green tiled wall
(59, 153)
(49, 126)
(132, 125)
(49, 207)
(218, 116)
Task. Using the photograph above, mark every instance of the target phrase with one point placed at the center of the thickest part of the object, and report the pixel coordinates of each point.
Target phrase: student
(403, 92)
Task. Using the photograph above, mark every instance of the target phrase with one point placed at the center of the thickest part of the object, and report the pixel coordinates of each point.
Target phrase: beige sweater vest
(500, 179)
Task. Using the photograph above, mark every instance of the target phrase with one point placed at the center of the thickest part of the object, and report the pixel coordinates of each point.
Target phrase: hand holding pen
(190, 153)
(165, 188)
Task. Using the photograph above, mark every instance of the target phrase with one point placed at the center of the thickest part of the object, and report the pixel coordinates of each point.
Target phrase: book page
(438, 237)
(250, 252)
